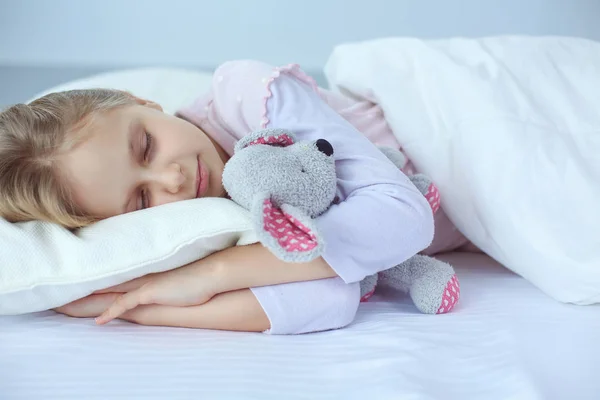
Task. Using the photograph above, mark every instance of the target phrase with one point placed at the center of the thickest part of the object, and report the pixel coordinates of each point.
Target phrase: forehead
(103, 124)
(96, 127)
(95, 168)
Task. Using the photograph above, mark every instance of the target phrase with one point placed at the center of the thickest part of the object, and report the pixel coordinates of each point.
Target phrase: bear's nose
(324, 147)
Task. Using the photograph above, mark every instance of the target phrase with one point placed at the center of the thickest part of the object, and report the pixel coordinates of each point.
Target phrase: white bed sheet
(506, 340)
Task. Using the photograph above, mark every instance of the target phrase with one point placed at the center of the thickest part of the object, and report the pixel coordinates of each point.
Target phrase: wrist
(218, 275)
(218, 272)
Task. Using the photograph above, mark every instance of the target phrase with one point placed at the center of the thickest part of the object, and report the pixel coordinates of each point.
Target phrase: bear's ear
(272, 137)
(286, 231)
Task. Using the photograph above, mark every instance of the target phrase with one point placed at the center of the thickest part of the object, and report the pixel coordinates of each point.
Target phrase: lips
(201, 179)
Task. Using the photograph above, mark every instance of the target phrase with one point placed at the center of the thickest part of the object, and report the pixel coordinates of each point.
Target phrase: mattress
(505, 340)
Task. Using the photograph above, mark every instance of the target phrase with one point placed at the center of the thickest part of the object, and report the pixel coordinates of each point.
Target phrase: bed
(506, 340)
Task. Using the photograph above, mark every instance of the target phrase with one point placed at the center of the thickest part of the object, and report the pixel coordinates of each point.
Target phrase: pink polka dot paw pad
(450, 296)
(367, 296)
(433, 197)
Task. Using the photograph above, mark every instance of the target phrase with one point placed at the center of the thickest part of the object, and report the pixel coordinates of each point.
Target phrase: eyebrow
(130, 134)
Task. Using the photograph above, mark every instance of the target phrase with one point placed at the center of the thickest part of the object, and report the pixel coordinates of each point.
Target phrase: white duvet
(509, 129)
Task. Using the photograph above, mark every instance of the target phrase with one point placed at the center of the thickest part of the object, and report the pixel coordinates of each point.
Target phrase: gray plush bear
(286, 184)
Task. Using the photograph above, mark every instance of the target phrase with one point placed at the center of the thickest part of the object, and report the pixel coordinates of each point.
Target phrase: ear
(289, 233)
(273, 137)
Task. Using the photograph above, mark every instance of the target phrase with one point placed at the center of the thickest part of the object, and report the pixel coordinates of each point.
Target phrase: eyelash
(144, 196)
(148, 148)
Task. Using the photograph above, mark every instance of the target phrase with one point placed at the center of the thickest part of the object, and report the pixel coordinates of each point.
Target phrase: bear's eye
(303, 170)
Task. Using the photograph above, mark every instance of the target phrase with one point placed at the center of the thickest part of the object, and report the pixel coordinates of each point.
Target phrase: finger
(122, 304)
(90, 306)
(126, 286)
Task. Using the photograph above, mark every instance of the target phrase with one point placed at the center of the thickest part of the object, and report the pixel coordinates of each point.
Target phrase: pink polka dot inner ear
(291, 234)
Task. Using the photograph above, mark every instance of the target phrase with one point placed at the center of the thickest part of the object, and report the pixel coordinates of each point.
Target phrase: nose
(171, 178)
(324, 147)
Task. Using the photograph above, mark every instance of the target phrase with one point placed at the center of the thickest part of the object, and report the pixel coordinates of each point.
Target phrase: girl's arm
(233, 311)
(234, 268)
(170, 298)
(244, 267)
(196, 283)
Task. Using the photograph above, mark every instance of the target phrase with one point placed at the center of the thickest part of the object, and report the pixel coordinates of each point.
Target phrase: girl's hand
(88, 307)
(189, 285)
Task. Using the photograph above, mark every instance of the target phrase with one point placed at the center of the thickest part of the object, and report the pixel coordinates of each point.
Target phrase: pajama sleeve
(381, 219)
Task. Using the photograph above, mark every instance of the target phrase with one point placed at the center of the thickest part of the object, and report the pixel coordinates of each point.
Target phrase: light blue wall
(206, 33)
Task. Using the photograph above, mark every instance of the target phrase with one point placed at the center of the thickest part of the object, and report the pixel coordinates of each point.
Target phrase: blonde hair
(31, 137)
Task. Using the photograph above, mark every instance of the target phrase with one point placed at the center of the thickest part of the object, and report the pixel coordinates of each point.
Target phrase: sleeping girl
(77, 157)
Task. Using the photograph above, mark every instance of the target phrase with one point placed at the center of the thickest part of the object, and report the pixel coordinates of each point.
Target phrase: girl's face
(137, 157)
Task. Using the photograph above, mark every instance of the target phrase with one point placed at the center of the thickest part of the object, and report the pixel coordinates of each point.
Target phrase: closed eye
(144, 195)
(147, 146)
(144, 201)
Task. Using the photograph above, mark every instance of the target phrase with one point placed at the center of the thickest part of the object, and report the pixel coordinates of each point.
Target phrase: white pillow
(509, 129)
(45, 266)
